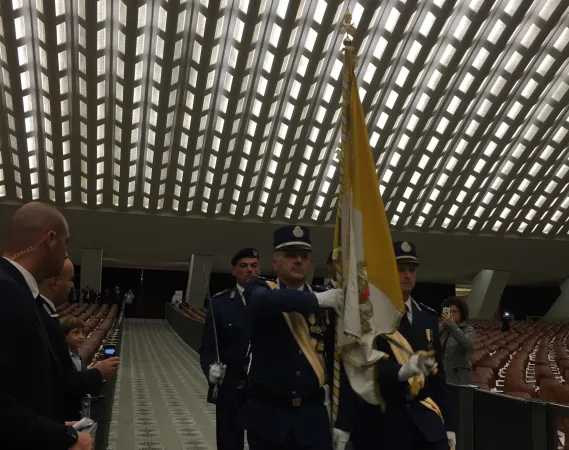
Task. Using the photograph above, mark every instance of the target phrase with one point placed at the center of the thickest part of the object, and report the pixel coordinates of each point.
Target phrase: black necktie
(40, 301)
(44, 305)
(404, 324)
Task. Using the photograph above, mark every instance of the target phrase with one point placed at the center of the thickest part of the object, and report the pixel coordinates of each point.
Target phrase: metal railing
(493, 421)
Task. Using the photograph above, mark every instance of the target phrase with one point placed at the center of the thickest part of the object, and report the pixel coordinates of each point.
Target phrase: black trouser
(256, 442)
(229, 435)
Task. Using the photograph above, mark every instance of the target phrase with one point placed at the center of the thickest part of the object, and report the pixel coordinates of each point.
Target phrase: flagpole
(348, 28)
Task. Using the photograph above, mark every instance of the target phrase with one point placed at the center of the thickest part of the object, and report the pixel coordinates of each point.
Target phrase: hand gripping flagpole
(348, 28)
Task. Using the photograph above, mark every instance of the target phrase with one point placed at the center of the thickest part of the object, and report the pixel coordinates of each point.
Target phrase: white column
(560, 308)
(196, 290)
(91, 268)
(485, 293)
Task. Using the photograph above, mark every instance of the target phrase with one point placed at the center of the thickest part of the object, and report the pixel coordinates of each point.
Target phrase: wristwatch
(71, 436)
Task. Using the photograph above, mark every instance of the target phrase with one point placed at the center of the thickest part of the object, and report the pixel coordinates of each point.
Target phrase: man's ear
(53, 283)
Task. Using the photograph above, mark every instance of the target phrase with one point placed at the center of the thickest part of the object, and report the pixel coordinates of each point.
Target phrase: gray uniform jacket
(457, 341)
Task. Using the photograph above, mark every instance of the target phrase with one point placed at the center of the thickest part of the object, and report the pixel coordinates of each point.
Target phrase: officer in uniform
(417, 413)
(227, 377)
(291, 344)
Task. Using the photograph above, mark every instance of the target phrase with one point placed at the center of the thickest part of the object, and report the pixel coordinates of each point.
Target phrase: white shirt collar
(241, 289)
(30, 280)
(49, 302)
(76, 360)
(409, 303)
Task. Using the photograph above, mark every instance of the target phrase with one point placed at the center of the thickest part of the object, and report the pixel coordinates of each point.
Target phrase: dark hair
(460, 304)
(70, 323)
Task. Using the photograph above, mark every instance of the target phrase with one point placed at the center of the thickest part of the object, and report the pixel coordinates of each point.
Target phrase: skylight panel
(530, 35)
(466, 83)
(562, 171)
(560, 134)
(496, 32)
(462, 28)
(434, 80)
(320, 10)
(414, 52)
(545, 65)
(547, 151)
(392, 20)
(268, 63)
(427, 24)
(275, 34)
(480, 58)
(447, 55)
(380, 47)
(336, 70)
(262, 86)
(238, 30)
(470, 181)
(23, 55)
(562, 40)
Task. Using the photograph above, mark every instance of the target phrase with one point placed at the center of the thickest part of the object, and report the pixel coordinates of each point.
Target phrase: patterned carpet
(160, 400)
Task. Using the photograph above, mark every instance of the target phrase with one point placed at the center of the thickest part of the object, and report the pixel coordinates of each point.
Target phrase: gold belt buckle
(296, 402)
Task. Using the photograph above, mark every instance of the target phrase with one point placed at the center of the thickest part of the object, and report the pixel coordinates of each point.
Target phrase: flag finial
(347, 25)
(349, 29)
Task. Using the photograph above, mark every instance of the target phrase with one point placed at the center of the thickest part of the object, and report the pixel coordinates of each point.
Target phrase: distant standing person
(129, 297)
(457, 341)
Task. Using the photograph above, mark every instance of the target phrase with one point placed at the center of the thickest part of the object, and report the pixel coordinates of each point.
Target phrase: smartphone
(446, 310)
(110, 350)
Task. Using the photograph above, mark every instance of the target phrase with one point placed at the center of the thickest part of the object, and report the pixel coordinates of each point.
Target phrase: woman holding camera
(457, 340)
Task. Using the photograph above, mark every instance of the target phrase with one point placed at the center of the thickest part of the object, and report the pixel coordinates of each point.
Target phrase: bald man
(54, 292)
(32, 391)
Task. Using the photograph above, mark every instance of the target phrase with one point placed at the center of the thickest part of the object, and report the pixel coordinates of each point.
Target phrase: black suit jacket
(31, 386)
(77, 384)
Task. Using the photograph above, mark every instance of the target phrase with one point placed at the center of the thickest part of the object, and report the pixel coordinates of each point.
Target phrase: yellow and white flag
(363, 249)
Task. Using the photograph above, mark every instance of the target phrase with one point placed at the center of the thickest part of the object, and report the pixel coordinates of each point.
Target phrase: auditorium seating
(530, 360)
(197, 314)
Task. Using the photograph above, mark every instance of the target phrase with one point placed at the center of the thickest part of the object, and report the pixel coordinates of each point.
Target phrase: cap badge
(406, 247)
(297, 231)
(255, 254)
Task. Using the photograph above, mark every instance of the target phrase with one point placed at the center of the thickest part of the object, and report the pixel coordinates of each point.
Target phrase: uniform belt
(291, 400)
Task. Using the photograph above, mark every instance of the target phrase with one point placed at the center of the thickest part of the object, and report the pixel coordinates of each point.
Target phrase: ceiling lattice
(231, 108)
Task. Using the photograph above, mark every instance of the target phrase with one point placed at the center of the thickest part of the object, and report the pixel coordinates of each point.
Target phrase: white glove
(410, 369)
(426, 364)
(216, 373)
(332, 298)
(340, 438)
(451, 436)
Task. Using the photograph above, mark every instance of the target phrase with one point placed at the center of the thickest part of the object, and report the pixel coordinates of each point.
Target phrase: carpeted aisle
(160, 400)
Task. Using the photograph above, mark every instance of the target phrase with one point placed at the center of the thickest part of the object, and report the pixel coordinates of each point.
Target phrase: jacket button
(297, 373)
(300, 352)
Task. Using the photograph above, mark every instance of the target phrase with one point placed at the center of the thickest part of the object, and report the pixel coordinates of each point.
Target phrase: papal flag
(363, 249)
